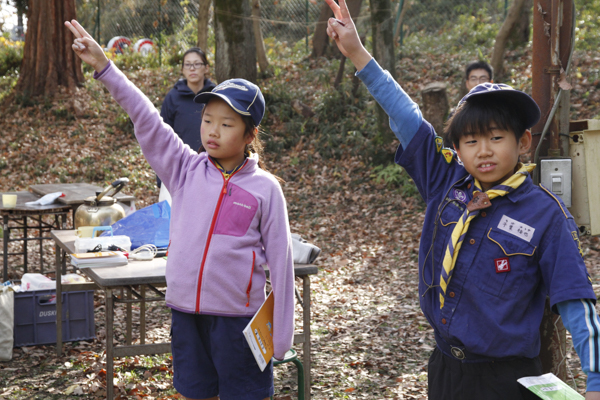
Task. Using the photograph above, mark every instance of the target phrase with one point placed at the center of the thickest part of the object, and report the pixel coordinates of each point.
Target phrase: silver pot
(101, 210)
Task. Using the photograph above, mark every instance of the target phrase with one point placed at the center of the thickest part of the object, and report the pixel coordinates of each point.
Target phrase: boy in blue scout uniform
(493, 246)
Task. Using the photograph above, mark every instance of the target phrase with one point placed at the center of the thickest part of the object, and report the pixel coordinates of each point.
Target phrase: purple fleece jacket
(223, 231)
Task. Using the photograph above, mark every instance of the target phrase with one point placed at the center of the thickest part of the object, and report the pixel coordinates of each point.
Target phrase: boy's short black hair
(477, 116)
(479, 65)
(489, 104)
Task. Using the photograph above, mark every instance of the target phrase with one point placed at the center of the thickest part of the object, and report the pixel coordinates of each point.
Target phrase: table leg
(143, 314)
(25, 244)
(129, 330)
(63, 262)
(41, 236)
(58, 261)
(108, 302)
(306, 330)
(5, 236)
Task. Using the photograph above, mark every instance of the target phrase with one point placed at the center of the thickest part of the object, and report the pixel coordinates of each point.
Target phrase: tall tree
(382, 23)
(203, 17)
(520, 33)
(48, 60)
(235, 53)
(503, 35)
(263, 62)
(320, 39)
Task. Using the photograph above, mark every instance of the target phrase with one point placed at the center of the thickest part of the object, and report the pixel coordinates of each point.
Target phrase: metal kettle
(101, 210)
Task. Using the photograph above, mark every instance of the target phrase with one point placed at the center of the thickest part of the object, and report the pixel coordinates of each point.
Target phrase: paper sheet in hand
(259, 333)
(549, 387)
(99, 259)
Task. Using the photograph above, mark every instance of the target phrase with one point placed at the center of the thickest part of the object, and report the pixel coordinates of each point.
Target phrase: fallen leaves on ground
(369, 337)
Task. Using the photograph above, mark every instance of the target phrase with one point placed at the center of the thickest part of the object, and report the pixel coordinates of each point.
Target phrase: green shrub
(395, 177)
(11, 54)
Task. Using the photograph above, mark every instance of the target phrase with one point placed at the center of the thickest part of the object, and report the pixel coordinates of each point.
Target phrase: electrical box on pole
(584, 149)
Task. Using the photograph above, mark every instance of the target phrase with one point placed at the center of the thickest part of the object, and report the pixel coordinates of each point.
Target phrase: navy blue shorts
(450, 379)
(212, 358)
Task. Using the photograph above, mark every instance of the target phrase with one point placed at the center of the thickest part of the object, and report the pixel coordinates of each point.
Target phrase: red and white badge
(502, 265)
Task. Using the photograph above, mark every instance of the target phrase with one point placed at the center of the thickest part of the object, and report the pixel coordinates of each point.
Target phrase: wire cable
(146, 252)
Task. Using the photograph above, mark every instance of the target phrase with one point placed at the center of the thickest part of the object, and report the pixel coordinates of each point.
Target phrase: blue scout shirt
(516, 252)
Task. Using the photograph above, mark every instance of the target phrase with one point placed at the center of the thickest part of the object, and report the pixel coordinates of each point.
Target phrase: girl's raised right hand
(86, 47)
(345, 34)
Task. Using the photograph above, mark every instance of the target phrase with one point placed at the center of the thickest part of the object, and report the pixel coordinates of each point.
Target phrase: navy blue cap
(504, 92)
(243, 97)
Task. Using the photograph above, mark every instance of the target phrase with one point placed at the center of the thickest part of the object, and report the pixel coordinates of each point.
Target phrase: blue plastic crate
(35, 317)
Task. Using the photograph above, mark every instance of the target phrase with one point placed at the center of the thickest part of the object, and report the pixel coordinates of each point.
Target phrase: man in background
(478, 72)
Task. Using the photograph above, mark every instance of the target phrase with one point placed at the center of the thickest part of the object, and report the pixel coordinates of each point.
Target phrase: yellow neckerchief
(480, 200)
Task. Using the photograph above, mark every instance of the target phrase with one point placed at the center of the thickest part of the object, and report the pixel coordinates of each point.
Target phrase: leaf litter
(369, 338)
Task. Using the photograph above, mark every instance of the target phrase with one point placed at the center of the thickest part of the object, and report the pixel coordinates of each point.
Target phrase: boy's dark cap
(243, 97)
(504, 92)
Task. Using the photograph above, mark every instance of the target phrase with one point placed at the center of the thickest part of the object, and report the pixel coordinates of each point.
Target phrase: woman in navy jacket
(178, 109)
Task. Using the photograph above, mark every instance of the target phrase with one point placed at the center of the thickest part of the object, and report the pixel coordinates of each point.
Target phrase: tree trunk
(398, 26)
(48, 59)
(320, 38)
(502, 37)
(382, 23)
(203, 16)
(235, 53)
(520, 34)
(263, 63)
(435, 105)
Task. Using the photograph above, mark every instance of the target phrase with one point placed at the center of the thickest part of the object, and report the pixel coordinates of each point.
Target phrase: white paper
(47, 199)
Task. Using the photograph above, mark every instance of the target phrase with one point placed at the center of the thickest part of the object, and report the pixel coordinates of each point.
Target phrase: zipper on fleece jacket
(250, 283)
(212, 228)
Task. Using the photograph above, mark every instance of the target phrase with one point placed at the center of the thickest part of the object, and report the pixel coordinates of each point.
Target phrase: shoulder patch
(448, 155)
(439, 143)
(555, 199)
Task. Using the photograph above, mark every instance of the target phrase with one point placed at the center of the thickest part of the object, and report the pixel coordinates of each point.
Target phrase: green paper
(549, 387)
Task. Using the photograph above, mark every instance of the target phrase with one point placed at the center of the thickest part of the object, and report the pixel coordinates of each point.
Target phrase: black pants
(450, 379)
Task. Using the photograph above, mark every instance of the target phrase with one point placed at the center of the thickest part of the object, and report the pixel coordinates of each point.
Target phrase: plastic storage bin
(35, 317)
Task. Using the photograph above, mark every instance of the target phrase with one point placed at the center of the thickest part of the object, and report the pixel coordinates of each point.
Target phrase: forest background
(370, 339)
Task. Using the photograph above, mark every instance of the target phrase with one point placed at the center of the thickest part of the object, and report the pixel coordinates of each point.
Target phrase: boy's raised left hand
(86, 47)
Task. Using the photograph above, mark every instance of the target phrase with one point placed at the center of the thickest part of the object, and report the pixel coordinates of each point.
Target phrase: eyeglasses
(195, 65)
(479, 79)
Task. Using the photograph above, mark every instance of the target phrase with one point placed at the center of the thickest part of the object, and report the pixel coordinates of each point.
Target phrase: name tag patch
(502, 265)
(516, 228)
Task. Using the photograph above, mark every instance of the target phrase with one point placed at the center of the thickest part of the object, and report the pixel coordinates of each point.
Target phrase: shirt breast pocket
(505, 261)
(450, 213)
(238, 209)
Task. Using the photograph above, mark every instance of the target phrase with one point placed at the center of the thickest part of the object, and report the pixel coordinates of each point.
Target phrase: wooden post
(435, 105)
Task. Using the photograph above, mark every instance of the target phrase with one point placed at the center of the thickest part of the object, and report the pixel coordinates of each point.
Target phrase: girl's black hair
(196, 50)
(256, 146)
(476, 115)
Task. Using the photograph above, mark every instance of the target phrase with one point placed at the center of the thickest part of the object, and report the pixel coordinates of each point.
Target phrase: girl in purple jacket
(215, 271)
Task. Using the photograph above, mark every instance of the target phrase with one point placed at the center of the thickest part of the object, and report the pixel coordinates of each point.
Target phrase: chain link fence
(284, 20)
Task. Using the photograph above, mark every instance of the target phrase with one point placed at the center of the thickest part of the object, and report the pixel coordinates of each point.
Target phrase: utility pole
(552, 48)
